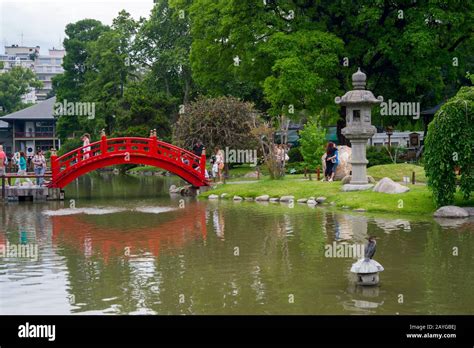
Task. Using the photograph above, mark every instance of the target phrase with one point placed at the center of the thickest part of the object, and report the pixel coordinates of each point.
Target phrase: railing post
(103, 144)
(3, 186)
(153, 142)
(54, 165)
(203, 163)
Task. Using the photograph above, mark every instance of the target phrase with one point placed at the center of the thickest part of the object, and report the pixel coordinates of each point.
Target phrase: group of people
(281, 157)
(217, 160)
(20, 160)
(280, 152)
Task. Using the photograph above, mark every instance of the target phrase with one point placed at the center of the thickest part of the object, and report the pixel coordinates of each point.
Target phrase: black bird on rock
(370, 248)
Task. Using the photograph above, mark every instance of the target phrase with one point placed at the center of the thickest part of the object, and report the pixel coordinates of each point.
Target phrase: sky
(42, 22)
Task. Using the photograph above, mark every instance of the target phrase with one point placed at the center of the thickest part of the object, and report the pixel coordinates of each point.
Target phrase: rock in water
(344, 167)
(213, 197)
(451, 211)
(321, 200)
(287, 198)
(263, 198)
(387, 185)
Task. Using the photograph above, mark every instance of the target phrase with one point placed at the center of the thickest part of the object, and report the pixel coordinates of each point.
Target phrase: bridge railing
(110, 147)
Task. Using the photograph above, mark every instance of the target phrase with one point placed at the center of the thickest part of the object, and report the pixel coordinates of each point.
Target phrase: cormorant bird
(370, 248)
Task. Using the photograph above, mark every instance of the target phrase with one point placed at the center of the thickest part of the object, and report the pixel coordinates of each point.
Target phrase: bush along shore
(417, 201)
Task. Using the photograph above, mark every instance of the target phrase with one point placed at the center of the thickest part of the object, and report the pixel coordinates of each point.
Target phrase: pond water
(122, 245)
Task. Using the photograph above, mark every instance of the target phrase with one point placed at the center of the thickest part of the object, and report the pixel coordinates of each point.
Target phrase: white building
(396, 139)
(45, 67)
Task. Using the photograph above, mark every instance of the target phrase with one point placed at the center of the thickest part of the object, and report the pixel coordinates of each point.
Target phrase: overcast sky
(42, 22)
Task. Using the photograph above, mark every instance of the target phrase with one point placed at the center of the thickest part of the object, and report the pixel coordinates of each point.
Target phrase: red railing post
(202, 163)
(54, 165)
(103, 144)
(153, 142)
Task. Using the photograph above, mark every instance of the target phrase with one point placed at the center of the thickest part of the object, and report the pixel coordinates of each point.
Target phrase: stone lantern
(359, 129)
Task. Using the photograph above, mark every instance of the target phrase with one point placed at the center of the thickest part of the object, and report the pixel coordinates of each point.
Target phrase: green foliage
(295, 155)
(70, 85)
(449, 145)
(69, 145)
(14, 84)
(313, 139)
(277, 55)
(296, 167)
(305, 66)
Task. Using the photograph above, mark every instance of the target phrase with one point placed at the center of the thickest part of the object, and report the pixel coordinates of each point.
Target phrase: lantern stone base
(354, 187)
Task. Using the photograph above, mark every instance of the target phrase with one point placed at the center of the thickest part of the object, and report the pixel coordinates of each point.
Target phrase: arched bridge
(114, 151)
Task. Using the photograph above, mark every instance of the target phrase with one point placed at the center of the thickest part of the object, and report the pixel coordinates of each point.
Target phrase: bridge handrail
(170, 146)
(62, 165)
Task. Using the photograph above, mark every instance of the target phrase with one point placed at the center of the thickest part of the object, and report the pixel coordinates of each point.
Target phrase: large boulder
(344, 167)
(387, 185)
(451, 211)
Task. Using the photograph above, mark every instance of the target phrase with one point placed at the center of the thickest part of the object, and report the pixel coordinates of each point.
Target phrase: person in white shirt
(85, 142)
(39, 163)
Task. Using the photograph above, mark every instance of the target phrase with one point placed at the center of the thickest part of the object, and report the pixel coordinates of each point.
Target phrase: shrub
(295, 155)
(449, 146)
(313, 139)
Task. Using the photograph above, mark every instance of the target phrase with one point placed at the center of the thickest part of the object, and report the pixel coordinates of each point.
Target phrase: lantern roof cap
(359, 79)
(359, 95)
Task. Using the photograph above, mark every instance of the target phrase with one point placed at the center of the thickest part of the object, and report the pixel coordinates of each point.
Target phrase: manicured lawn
(396, 172)
(418, 201)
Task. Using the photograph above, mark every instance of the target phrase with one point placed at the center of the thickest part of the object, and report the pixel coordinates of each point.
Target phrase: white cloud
(42, 22)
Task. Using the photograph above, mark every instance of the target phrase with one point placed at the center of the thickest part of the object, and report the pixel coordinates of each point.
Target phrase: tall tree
(70, 85)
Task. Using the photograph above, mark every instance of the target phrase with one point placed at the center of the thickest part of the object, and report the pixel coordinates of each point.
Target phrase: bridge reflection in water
(107, 241)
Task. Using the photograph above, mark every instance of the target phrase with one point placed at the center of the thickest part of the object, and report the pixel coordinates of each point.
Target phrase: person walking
(332, 160)
(39, 163)
(3, 160)
(21, 168)
(86, 140)
(220, 163)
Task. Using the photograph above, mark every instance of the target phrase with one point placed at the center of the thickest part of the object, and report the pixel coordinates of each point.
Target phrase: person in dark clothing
(370, 248)
(198, 148)
(331, 162)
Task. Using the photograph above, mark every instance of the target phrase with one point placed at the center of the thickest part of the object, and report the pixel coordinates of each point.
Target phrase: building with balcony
(29, 129)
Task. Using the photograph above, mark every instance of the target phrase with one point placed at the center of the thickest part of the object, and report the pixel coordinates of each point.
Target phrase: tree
(312, 140)
(70, 85)
(304, 73)
(449, 147)
(109, 68)
(217, 122)
(163, 45)
(13, 85)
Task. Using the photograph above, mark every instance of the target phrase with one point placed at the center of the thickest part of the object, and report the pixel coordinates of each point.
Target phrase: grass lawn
(418, 201)
(396, 172)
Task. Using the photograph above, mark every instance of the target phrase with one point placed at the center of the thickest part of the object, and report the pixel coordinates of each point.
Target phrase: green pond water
(122, 245)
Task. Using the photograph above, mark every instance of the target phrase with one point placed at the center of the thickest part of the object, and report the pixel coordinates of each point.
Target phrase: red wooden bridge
(114, 151)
